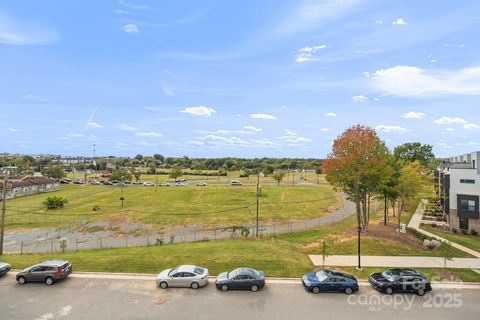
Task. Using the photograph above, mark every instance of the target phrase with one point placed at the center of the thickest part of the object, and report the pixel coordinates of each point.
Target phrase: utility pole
(359, 227)
(4, 210)
(95, 162)
(258, 196)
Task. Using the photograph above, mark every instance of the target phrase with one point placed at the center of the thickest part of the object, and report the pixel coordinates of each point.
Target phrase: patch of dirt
(446, 275)
(379, 230)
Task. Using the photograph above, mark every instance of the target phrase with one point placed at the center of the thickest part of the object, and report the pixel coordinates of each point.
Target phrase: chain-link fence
(44, 242)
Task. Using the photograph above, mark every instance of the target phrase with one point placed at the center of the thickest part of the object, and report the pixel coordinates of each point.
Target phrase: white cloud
(130, 28)
(148, 134)
(201, 111)
(378, 22)
(36, 97)
(92, 124)
(324, 129)
(470, 143)
(252, 128)
(290, 132)
(385, 128)
(12, 129)
(263, 116)
(310, 16)
(168, 91)
(331, 114)
(366, 74)
(359, 99)
(145, 144)
(126, 127)
(307, 53)
(413, 81)
(450, 120)
(399, 22)
(14, 31)
(471, 126)
(414, 115)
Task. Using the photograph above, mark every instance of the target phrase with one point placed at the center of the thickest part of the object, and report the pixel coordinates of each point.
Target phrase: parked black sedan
(4, 268)
(330, 281)
(241, 279)
(400, 280)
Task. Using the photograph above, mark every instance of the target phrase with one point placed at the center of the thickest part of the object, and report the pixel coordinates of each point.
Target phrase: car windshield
(199, 270)
(321, 275)
(390, 275)
(234, 273)
(173, 271)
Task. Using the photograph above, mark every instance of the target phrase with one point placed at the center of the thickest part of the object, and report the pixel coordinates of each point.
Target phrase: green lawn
(164, 206)
(469, 241)
(277, 258)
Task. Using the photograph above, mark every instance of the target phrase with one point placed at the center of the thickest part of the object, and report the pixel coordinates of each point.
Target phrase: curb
(273, 280)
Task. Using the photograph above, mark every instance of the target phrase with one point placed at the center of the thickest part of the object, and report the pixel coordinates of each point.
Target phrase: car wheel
(421, 292)
(254, 288)
(48, 281)
(194, 285)
(316, 290)
(389, 291)
(163, 285)
(348, 291)
(224, 287)
(21, 280)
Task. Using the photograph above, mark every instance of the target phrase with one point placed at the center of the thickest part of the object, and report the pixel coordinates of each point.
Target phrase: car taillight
(59, 271)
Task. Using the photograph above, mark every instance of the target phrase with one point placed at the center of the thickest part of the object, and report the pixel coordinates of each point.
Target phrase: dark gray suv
(48, 272)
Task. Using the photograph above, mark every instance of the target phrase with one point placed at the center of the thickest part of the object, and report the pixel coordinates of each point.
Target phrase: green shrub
(464, 231)
(454, 230)
(474, 232)
(54, 202)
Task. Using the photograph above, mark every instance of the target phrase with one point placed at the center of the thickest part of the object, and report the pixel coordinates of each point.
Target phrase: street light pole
(258, 195)
(4, 211)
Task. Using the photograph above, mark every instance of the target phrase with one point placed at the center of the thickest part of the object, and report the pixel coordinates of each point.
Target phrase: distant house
(459, 189)
(24, 186)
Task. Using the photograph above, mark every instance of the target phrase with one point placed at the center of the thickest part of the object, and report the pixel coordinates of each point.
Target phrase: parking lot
(119, 297)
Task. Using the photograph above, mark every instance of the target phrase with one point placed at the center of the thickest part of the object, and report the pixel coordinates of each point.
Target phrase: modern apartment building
(459, 190)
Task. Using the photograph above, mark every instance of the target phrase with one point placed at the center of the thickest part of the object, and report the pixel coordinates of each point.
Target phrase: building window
(467, 205)
(469, 181)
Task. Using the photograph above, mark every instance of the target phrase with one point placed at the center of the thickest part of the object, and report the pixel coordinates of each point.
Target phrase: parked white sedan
(186, 276)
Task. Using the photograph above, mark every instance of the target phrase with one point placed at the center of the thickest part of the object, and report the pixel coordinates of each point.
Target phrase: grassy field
(276, 257)
(164, 206)
(290, 178)
(469, 241)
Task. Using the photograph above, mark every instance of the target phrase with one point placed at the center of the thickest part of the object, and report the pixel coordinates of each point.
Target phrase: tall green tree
(176, 172)
(278, 176)
(415, 151)
(54, 172)
(121, 174)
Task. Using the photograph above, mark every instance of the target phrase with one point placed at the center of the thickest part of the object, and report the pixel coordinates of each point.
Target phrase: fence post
(21, 248)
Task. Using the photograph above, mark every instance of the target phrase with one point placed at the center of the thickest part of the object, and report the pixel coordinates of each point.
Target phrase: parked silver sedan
(185, 276)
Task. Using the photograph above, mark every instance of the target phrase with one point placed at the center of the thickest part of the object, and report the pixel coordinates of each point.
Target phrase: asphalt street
(103, 298)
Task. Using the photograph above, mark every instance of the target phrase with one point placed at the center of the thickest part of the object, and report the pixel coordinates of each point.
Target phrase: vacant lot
(164, 206)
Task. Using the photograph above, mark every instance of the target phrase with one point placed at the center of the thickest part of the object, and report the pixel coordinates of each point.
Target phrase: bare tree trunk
(364, 205)
(368, 209)
(393, 207)
(402, 207)
(357, 203)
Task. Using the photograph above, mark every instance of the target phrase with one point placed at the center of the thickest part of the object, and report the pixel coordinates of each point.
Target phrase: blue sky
(229, 78)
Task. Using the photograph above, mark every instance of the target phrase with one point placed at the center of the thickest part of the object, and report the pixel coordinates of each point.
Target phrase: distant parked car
(107, 183)
(78, 182)
(201, 184)
(126, 183)
(235, 183)
(48, 272)
(148, 184)
(241, 279)
(95, 183)
(4, 268)
(180, 184)
(186, 276)
(181, 180)
(137, 183)
(164, 184)
(330, 281)
(400, 280)
(64, 181)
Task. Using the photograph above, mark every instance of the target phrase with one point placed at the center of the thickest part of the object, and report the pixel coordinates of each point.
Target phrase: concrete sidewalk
(396, 261)
(415, 224)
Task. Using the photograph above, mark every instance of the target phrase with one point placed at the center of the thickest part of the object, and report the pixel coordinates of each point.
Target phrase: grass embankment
(166, 206)
(469, 241)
